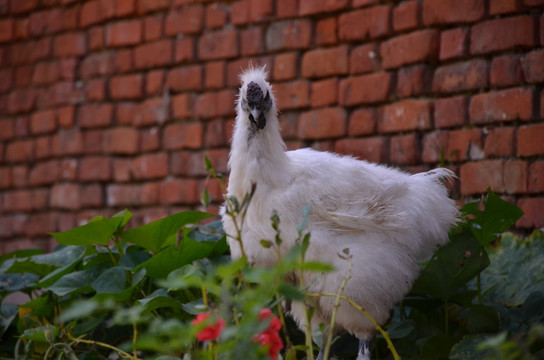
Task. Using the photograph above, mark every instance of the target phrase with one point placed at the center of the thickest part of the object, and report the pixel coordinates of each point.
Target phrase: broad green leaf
(8, 314)
(160, 299)
(43, 264)
(130, 260)
(516, 270)
(95, 232)
(41, 306)
(209, 232)
(171, 258)
(467, 348)
(39, 333)
(498, 216)
(17, 281)
(110, 281)
(533, 307)
(76, 281)
(125, 215)
(20, 254)
(83, 308)
(154, 235)
(451, 267)
(291, 292)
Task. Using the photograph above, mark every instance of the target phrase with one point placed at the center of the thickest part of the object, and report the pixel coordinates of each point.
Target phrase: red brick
(363, 59)
(45, 173)
(184, 49)
(406, 115)
(93, 12)
(260, 10)
(70, 18)
(515, 177)
(153, 26)
(45, 22)
(96, 38)
(506, 70)
(468, 75)
(70, 44)
(179, 191)
(150, 166)
(99, 64)
(149, 139)
(18, 201)
(20, 176)
(452, 11)
(6, 80)
(68, 142)
(285, 66)
(183, 136)
(216, 16)
(325, 62)
(122, 170)
(365, 24)
(218, 45)
(7, 128)
(322, 124)
(324, 92)
(286, 8)
(95, 168)
(43, 122)
(5, 177)
(406, 15)
(154, 54)
(150, 112)
(450, 112)
(23, 76)
(362, 122)
(43, 147)
(182, 106)
(21, 100)
(189, 20)
(251, 41)
(21, 126)
(185, 78)
(20, 150)
(95, 115)
(476, 177)
(67, 69)
(124, 59)
(505, 105)
(414, 80)
(92, 196)
(215, 74)
(125, 7)
(124, 33)
(215, 104)
(533, 66)
(239, 12)
(533, 215)
(497, 7)
(154, 82)
(453, 43)
(65, 196)
(503, 34)
(536, 177)
(373, 149)
(418, 46)
(289, 34)
(20, 30)
(126, 87)
(121, 141)
(464, 144)
(65, 116)
(123, 195)
(311, 7)
(499, 142)
(215, 134)
(404, 149)
(530, 140)
(18, 7)
(96, 90)
(147, 6)
(125, 113)
(542, 30)
(365, 89)
(68, 169)
(292, 95)
(434, 146)
(325, 31)
(542, 105)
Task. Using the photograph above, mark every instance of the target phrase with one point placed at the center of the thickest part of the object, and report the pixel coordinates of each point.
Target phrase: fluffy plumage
(388, 219)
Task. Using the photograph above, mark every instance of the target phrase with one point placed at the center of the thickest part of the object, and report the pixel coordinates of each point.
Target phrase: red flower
(210, 332)
(270, 337)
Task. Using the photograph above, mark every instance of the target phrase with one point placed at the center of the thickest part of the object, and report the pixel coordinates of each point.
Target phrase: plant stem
(446, 318)
(134, 339)
(370, 318)
(121, 353)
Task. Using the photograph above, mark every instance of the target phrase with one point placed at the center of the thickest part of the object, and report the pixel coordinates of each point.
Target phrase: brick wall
(112, 104)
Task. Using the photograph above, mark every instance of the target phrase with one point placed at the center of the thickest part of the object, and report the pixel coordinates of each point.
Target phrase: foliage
(168, 290)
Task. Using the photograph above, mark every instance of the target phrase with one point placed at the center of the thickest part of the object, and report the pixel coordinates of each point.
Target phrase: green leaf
(20, 254)
(291, 292)
(95, 232)
(154, 235)
(41, 306)
(131, 260)
(76, 281)
(125, 215)
(498, 216)
(110, 281)
(160, 299)
(39, 333)
(43, 264)
(467, 348)
(451, 267)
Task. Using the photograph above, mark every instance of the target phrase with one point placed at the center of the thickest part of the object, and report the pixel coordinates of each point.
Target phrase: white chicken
(389, 220)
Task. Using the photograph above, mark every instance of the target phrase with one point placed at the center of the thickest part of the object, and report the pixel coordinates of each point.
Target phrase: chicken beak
(255, 112)
(258, 118)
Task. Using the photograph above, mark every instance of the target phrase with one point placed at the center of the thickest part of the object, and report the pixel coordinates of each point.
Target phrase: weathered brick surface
(111, 104)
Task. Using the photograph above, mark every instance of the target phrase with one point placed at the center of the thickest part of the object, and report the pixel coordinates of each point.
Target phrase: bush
(168, 290)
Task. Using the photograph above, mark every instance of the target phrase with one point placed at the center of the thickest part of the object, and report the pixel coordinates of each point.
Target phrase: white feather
(388, 219)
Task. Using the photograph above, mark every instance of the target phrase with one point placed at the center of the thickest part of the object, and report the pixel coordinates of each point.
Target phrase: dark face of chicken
(256, 104)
